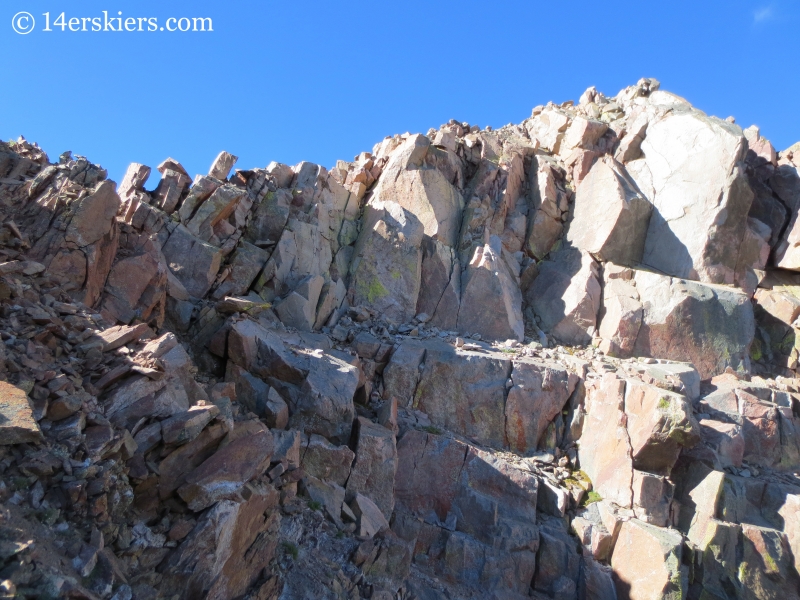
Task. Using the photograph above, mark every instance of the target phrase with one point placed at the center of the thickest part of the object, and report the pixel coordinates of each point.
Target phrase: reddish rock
(223, 475)
(647, 562)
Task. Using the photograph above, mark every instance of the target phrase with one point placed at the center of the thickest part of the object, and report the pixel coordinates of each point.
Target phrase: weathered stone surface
(621, 317)
(401, 375)
(246, 264)
(566, 295)
(325, 461)
(785, 183)
(611, 215)
(114, 337)
(766, 568)
(194, 262)
(490, 503)
(647, 562)
(691, 160)
(222, 165)
(17, 425)
(370, 518)
(184, 427)
(184, 459)
(464, 392)
(328, 495)
(698, 491)
(440, 284)
(222, 476)
(387, 263)
(538, 394)
(550, 201)
(660, 423)
(491, 303)
(228, 549)
(424, 192)
(710, 326)
(375, 464)
(217, 208)
(652, 498)
(605, 449)
(323, 402)
(299, 308)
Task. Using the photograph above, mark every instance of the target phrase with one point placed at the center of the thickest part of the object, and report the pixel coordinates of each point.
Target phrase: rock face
(556, 360)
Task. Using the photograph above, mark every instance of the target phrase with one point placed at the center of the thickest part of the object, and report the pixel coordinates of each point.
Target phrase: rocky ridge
(555, 360)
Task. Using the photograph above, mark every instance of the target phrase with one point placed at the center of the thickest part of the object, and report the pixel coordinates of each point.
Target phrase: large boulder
(227, 550)
(81, 243)
(647, 562)
(550, 201)
(465, 391)
(423, 191)
(710, 326)
(621, 316)
(491, 303)
(611, 215)
(693, 174)
(193, 261)
(536, 397)
(387, 262)
(604, 447)
(566, 295)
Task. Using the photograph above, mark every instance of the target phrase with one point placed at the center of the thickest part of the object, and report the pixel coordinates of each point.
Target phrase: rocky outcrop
(555, 360)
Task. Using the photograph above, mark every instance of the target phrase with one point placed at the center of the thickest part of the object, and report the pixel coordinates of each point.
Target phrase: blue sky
(301, 80)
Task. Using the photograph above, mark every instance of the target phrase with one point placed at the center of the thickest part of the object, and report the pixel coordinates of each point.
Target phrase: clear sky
(301, 80)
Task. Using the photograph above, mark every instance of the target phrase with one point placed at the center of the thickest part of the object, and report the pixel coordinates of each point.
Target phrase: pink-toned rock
(551, 203)
(611, 215)
(710, 326)
(726, 439)
(660, 424)
(537, 396)
(566, 295)
(227, 550)
(647, 562)
(604, 448)
(491, 303)
(387, 263)
(621, 318)
(325, 461)
(114, 337)
(222, 165)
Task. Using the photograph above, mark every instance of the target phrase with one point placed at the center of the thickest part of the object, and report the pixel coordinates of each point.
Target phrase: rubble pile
(554, 360)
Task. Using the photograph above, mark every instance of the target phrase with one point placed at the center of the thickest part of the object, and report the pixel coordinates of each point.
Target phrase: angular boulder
(611, 215)
(647, 562)
(566, 295)
(710, 326)
(491, 303)
(387, 262)
(693, 174)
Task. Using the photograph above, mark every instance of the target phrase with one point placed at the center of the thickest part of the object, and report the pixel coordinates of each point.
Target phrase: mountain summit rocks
(557, 360)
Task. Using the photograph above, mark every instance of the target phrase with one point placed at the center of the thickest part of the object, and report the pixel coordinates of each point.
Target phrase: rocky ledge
(554, 360)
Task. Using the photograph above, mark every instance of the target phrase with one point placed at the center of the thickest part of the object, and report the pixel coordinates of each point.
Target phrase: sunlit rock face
(554, 360)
